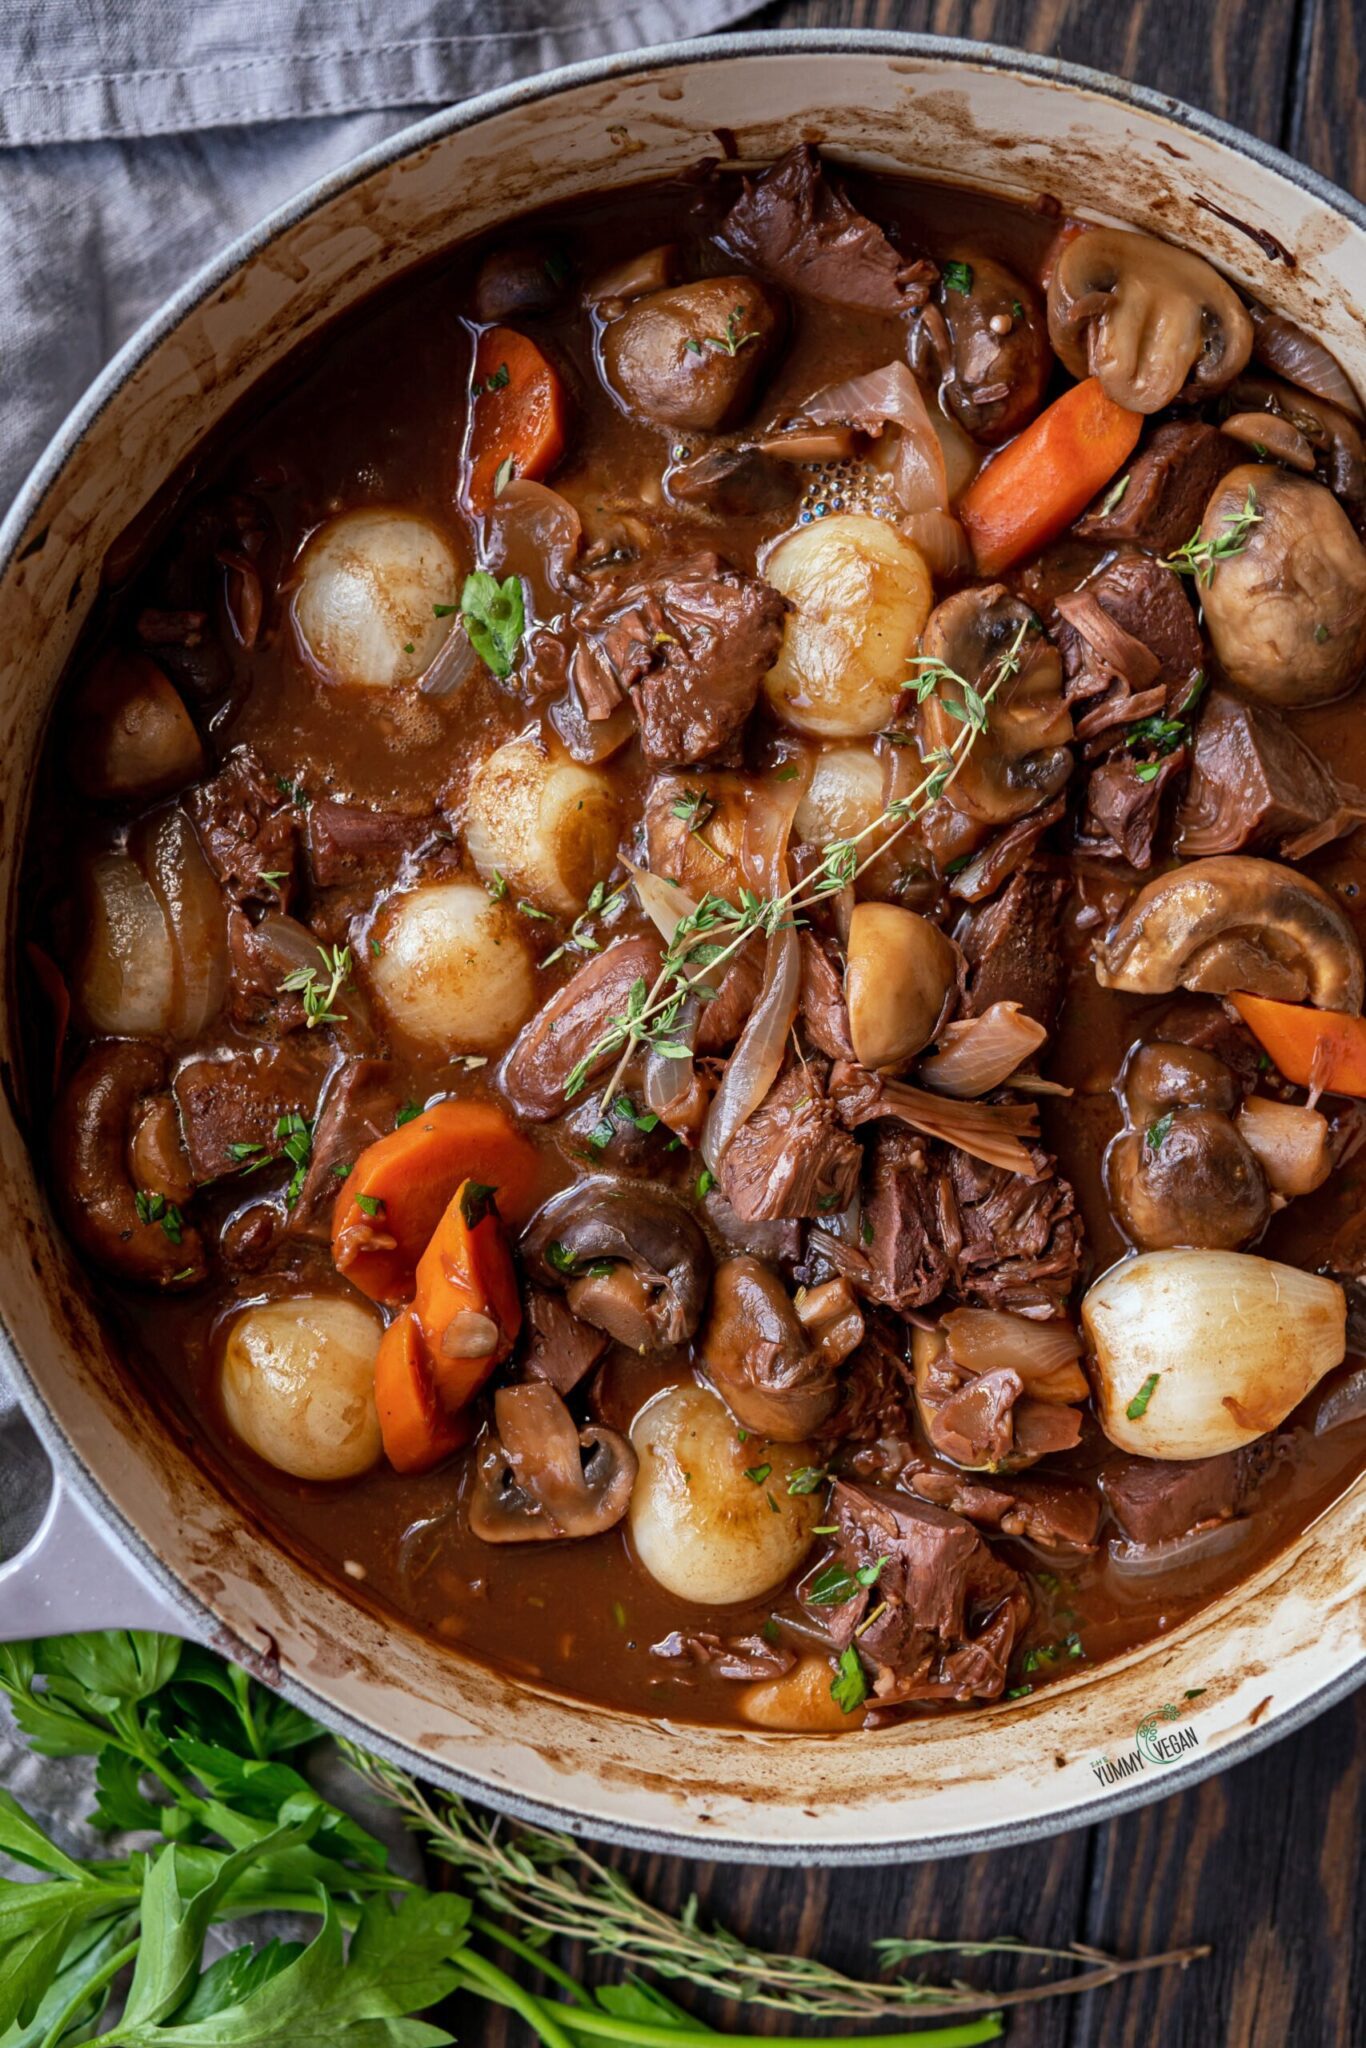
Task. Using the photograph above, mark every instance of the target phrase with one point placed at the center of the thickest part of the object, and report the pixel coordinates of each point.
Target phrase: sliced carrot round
(398, 1190)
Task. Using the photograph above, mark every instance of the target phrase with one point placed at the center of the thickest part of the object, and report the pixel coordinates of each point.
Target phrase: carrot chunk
(1313, 1048)
(1046, 476)
(466, 1301)
(519, 416)
(416, 1430)
(398, 1190)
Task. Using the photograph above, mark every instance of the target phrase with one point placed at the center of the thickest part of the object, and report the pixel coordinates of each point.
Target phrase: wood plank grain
(1224, 55)
(1327, 126)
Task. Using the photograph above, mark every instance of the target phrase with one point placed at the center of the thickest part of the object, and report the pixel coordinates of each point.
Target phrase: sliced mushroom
(131, 735)
(758, 1357)
(134, 1231)
(1232, 923)
(987, 340)
(900, 979)
(635, 1260)
(1286, 606)
(1023, 757)
(1150, 321)
(539, 1478)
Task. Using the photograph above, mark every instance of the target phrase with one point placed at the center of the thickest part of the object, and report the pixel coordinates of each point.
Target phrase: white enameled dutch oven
(136, 1533)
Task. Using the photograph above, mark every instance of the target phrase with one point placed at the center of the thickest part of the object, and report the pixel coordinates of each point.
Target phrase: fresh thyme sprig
(317, 997)
(553, 1887)
(1200, 558)
(711, 935)
(581, 936)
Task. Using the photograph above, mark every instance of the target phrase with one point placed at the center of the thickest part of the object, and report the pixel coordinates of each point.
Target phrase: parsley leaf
(495, 618)
(850, 1688)
(1138, 1407)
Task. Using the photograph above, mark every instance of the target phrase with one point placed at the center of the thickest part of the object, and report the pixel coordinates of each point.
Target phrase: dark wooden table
(1264, 1862)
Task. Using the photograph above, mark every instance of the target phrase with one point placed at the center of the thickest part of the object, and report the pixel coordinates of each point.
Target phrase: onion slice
(1044, 1355)
(891, 397)
(976, 1054)
(1301, 359)
(753, 1066)
(990, 1131)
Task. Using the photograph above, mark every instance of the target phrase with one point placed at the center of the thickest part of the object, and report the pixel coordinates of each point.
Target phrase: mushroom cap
(1235, 924)
(539, 1478)
(1199, 1185)
(1287, 613)
(601, 1220)
(1150, 321)
(1023, 758)
(757, 1355)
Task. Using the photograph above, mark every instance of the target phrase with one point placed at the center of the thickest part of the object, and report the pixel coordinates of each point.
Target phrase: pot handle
(73, 1574)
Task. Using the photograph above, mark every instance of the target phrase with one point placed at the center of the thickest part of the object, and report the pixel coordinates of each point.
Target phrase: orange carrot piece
(519, 414)
(1313, 1048)
(1046, 476)
(467, 1294)
(417, 1432)
(398, 1190)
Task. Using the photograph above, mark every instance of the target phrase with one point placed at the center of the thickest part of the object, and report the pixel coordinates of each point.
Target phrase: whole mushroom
(987, 340)
(1153, 323)
(1234, 923)
(132, 1229)
(1286, 607)
(1182, 1173)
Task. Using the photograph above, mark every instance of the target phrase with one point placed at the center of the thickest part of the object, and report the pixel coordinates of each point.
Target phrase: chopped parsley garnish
(1138, 1407)
(808, 1480)
(406, 1114)
(850, 1688)
(296, 1136)
(833, 1586)
(1113, 495)
(530, 910)
(497, 886)
(495, 616)
(497, 380)
(503, 475)
(958, 277)
(706, 1181)
(1158, 1133)
(156, 1209)
(560, 1258)
(318, 997)
(1019, 1692)
(477, 1202)
(757, 1473)
(370, 1205)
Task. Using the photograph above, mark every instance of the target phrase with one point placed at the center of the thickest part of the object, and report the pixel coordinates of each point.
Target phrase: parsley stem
(529, 1954)
(495, 1984)
(89, 1990)
(603, 2026)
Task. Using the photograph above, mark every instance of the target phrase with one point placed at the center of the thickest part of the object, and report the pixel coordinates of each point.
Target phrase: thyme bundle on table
(202, 1769)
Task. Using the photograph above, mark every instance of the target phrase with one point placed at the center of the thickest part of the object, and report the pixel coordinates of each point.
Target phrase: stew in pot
(696, 899)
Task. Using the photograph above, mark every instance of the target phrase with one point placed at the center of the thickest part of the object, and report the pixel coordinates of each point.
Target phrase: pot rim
(68, 1466)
